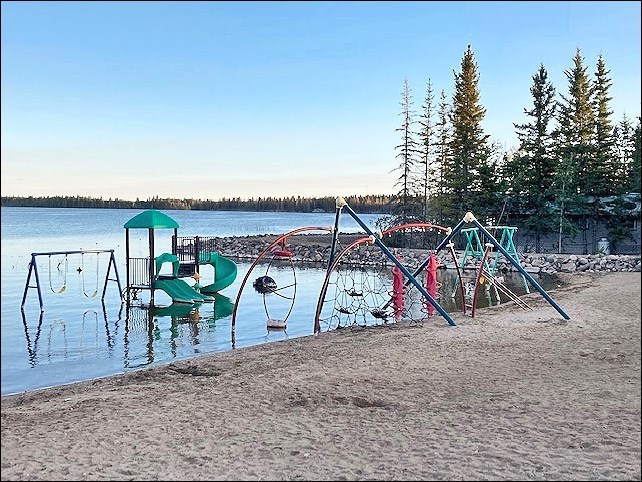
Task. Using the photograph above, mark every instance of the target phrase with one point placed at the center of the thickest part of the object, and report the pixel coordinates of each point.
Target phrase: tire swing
(278, 284)
(278, 296)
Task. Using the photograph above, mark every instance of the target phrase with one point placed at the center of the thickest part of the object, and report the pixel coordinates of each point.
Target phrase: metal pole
(394, 259)
(127, 265)
(35, 272)
(335, 235)
(443, 243)
(469, 216)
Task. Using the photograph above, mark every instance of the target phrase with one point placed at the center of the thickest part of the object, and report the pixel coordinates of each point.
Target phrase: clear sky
(247, 99)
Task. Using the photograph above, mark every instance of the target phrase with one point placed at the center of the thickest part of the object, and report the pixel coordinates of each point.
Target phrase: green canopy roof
(151, 219)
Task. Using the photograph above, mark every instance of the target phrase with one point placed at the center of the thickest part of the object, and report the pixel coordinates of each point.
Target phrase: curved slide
(179, 290)
(224, 271)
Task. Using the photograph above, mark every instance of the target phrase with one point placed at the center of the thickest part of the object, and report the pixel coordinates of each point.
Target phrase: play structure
(278, 295)
(60, 267)
(386, 291)
(365, 283)
(358, 297)
(187, 256)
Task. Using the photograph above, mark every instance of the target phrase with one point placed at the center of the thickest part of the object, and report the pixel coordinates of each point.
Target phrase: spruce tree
(634, 175)
(624, 148)
(627, 180)
(533, 166)
(468, 148)
(428, 167)
(602, 166)
(442, 149)
(574, 145)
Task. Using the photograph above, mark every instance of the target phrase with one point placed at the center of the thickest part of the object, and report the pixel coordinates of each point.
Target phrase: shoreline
(315, 248)
(509, 394)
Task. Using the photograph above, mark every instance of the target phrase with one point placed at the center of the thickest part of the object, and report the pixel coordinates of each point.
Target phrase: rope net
(373, 294)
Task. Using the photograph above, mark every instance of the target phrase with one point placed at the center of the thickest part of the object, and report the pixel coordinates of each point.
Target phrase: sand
(510, 395)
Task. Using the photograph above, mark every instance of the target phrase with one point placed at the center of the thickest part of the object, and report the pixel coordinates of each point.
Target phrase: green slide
(223, 306)
(224, 271)
(179, 290)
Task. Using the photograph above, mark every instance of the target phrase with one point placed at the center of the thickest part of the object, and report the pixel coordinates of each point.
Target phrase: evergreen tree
(574, 144)
(408, 151)
(427, 161)
(469, 150)
(533, 166)
(634, 175)
(602, 166)
(627, 180)
(443, 142)
(623, 166)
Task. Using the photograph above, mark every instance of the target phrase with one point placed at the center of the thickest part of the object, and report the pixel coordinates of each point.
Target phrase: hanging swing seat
(276, 324)
(282, 253)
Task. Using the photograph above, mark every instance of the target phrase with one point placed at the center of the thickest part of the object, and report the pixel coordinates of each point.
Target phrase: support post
(335, 235)
(393, 258)
(500, 248)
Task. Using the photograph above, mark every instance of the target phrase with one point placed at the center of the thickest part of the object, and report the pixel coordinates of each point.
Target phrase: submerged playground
(383, 290)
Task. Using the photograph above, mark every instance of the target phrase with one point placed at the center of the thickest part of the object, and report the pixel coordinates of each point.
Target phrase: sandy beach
(508, 395)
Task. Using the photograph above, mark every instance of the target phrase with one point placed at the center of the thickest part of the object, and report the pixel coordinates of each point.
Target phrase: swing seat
(276, 324)
(282, 253)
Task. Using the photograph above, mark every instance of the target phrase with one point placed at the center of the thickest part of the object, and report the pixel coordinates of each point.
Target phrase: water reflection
(68, 339)
(141, 335)
(144, 327)
(73, 341)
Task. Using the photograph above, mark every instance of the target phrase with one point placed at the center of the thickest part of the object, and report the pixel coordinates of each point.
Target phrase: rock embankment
(315, 249)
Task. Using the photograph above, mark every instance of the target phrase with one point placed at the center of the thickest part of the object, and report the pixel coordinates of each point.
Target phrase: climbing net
(358, 293)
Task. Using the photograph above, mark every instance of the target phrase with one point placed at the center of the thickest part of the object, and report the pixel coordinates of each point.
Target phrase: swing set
(60, 270)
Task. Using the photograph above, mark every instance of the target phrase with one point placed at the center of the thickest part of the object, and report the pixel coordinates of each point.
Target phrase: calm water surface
(79, 337)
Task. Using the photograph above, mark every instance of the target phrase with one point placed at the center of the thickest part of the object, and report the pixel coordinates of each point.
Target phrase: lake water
(79, 337)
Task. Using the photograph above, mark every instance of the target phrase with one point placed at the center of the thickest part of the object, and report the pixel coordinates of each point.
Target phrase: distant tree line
(572, 159)
(377, 204)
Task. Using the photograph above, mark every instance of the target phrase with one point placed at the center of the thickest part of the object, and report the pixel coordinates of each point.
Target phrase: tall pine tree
(574, 145)
(602, 166)
(428, 168)
(469, 149)
(408, 151)
(533, 166)
(442, 148)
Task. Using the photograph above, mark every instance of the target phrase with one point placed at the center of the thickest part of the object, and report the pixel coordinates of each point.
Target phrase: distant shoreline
(375, 204)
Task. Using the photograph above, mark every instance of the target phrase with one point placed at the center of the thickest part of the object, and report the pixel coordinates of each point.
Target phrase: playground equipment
(142, 273)
(187, 255)
(475, 248)
(278, 297)
(368, 299)
(33, 268)
(385, 291)
(469, 218)
(356, 297)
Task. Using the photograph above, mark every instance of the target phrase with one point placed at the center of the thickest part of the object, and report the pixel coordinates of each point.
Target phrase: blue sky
(247, 99)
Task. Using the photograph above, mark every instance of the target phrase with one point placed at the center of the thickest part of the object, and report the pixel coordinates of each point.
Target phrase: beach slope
(510, 394)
